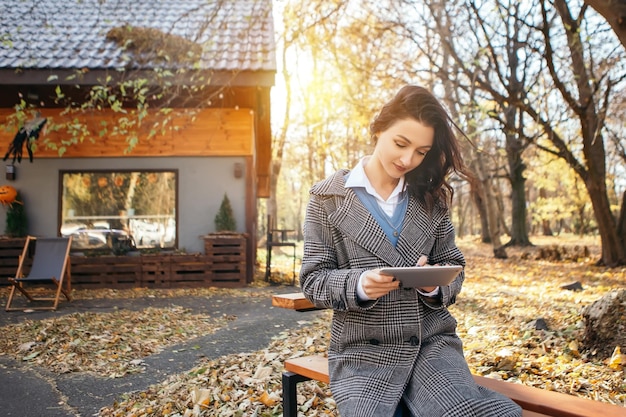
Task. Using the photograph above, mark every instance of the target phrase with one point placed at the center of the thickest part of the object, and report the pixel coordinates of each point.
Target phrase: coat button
(374, 342)
(338, 305)
(414, 341)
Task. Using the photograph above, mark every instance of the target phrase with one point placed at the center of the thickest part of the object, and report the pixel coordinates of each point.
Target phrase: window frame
(121, 217)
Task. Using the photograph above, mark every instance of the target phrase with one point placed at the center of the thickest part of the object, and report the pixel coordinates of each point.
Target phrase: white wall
(202, 183)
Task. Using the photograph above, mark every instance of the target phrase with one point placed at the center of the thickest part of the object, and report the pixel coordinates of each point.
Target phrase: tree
(588, 97)
(583, 78)
(507, 72)
(428, 28)
(225, 219)
(340, 52)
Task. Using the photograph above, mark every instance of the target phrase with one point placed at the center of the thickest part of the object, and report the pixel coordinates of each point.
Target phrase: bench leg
(293, 280)
(268, 264)
(290, 398)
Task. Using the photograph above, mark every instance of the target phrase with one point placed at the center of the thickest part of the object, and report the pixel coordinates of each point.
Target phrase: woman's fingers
(376, 285)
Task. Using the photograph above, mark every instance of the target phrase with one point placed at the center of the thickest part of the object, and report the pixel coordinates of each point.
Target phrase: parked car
(99, 238)
(153, 234)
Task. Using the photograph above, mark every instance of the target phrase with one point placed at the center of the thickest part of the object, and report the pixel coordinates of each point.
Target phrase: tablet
(424, 276)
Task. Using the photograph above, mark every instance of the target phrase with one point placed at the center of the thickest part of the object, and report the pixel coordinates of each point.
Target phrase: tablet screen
(424, 276)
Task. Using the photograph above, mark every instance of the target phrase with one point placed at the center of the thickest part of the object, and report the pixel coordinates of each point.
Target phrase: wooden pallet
(191, 271)
(10, 251)
(226, 247)
(156, 271)
(227, 255)
(224, 266)
(106, 271)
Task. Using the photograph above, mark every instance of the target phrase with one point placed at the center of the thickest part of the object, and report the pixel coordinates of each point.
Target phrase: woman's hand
(376, 285)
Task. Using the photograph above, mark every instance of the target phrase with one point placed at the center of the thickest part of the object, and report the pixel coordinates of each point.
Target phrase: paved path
(27, 391)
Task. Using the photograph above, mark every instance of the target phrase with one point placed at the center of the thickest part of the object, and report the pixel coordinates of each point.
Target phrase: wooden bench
(535, 402)
(292, 301)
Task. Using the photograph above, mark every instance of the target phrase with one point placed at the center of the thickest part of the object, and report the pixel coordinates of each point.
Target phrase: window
(119, 210)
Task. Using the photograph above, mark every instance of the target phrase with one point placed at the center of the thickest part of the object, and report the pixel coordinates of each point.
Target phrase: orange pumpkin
(7, 195)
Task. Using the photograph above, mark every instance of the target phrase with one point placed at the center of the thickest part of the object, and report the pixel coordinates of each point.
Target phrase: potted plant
(225, 219)
(226, 245)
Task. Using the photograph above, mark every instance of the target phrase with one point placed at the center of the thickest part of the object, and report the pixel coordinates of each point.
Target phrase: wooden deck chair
(50, 266)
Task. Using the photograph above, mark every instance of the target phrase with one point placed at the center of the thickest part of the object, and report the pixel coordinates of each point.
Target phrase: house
(165, 92)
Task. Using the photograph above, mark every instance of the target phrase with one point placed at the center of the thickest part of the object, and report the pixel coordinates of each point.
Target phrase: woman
(393, 351)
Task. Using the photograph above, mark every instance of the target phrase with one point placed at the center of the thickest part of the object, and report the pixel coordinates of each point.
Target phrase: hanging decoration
(25, 136)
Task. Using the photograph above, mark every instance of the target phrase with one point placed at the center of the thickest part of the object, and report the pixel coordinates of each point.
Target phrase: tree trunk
(479, 203)
(519, 224)
(513, 132)
(621, 223)
(499, 251)
(613, 251)
(545, 228)
(614, 11)
(279, 141)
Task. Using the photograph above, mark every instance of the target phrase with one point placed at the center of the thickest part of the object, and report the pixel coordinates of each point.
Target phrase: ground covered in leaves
(111, 344)
(515, 318)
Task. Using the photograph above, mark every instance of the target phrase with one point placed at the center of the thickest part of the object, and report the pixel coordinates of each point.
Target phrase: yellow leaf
(618, 359)
(201, 396)
(267, 400)
(573, 347)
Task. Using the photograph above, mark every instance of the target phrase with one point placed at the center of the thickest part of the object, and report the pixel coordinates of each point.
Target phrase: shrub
(16, 221)
(225, 219)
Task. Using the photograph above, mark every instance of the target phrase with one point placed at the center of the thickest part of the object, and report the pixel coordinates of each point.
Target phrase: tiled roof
(67, 34)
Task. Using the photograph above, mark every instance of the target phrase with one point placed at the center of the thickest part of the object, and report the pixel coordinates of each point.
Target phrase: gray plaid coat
(402, 344)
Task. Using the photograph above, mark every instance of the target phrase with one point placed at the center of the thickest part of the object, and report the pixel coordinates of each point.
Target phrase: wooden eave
(90, 76)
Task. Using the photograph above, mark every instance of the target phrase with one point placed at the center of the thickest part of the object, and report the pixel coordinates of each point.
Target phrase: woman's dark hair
(428, 182)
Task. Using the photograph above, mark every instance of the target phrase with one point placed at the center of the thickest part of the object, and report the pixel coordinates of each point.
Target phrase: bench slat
(528, 413)
(536, 402)
(313, 367)
(550, 402)
(293, 301)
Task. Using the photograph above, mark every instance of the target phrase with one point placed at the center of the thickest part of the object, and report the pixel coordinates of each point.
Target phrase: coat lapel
(355, 221)
(414, 239)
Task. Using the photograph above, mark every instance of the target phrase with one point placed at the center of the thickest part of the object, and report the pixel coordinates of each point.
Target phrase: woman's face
(403, 146)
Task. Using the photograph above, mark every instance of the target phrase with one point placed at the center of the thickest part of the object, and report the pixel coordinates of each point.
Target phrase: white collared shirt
(358, 178)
